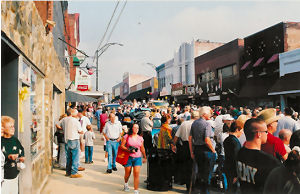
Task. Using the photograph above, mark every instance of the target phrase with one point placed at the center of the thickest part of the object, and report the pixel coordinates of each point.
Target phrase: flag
(207, 87)
(220, 81)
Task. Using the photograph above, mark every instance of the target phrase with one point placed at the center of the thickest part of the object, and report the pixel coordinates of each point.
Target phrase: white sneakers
(126, 187)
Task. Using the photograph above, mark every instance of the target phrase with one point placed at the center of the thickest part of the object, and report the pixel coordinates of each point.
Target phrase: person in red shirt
(103, 119)
(274, 145)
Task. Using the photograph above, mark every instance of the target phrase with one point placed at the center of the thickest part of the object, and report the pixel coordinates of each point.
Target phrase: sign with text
(82, 80)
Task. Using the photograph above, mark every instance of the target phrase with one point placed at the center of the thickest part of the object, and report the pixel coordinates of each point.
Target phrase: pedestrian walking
(89, 137)
(133, 143)
(112, 133)
(72, 130)
(14, 156)
(84, 121)
(97, 115)
(103, 120)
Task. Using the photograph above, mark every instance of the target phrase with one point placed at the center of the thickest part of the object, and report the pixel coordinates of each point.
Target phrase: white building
(181, 69)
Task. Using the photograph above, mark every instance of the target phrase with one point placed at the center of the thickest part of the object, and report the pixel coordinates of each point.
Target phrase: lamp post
(98, 54)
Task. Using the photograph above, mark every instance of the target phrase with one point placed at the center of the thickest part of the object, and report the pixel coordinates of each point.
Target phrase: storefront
(32, 88)
(288, 84)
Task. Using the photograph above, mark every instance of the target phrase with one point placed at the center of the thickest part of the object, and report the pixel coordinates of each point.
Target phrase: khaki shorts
(82, 141)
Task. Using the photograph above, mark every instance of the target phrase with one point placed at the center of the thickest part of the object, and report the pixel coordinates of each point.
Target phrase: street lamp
(98, 54)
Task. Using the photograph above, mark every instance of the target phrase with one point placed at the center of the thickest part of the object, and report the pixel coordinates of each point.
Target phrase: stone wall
(21, 22)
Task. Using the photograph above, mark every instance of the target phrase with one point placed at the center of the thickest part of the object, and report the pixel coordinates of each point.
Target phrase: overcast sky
(152, 31)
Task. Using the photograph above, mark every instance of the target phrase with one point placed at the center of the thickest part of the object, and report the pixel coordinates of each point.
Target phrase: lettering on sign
(177, 93)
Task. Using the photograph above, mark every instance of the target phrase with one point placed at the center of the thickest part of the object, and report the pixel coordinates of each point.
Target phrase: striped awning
(273, 58)
(258, 62)
(245, 65)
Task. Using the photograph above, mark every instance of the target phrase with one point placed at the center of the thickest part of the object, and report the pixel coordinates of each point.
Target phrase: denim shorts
(134, 162)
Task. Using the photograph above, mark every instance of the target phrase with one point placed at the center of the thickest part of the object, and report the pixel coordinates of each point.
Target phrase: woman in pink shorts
(133, 143)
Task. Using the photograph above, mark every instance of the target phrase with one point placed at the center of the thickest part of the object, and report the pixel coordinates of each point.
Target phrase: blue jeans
(98, 124)
(112, 149)
(89, 153)
(72, 155)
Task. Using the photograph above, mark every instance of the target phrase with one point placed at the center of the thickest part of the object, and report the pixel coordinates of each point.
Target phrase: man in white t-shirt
(72, 130)
(84, 121)
(112, 133)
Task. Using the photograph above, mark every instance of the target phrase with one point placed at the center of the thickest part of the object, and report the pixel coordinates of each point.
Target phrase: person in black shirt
(231, 147)
(13, 152)
(253, 165)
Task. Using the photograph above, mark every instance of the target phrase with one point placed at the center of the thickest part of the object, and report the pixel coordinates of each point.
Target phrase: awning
(288, 84)
(258, 62)
(74, 97)
(140, 94)
(245, 65)
(273, 58)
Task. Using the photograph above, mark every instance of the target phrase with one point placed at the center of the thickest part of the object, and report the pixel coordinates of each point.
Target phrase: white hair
(204, 110)
(74, 112)
(147, 113)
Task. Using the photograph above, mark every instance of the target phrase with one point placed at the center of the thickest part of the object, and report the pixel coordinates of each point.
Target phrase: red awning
(245, 65)
(273, 58)
(258, 62)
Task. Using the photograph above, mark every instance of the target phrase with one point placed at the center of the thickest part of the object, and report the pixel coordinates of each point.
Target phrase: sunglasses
(261, 131)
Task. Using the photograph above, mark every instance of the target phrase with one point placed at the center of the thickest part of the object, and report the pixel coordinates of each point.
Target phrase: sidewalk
(95, 180)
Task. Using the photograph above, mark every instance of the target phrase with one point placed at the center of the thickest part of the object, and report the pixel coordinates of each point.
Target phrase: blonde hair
(6, 119)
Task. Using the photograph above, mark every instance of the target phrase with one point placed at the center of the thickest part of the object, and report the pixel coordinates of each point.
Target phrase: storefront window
(36, 109)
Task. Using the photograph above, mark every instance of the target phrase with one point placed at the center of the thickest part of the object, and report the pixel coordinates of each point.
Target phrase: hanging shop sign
(213, 98)
(82, 80)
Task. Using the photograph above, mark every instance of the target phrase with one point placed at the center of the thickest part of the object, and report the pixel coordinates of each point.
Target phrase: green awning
(76, 61)
(74, 97)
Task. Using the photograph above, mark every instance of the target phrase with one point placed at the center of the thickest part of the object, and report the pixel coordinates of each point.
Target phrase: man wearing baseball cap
(274, 145)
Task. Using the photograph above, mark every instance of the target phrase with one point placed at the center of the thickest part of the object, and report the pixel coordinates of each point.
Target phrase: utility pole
(102, 49)
(97, 70)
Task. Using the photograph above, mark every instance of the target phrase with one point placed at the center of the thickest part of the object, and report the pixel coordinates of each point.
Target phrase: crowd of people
(247, 146)
(254, 151)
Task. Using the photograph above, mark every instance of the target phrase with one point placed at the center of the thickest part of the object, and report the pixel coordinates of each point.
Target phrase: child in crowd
(89, 137)
(14, 154)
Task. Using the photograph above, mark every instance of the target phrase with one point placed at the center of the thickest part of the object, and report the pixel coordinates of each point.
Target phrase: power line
(116, 21)
(108, 24)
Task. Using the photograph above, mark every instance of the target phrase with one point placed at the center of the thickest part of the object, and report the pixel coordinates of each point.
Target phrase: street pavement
(95, 179)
